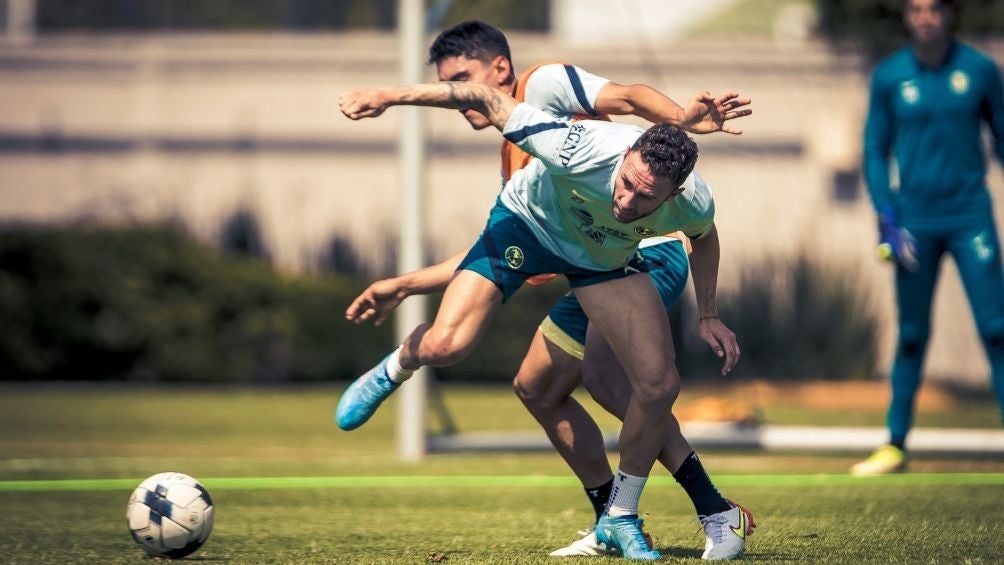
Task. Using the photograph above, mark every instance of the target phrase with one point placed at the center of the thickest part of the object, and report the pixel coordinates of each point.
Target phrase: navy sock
(694, 479)
(599, 496)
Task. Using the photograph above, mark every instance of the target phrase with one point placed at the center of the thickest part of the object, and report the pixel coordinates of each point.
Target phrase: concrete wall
(139, 128)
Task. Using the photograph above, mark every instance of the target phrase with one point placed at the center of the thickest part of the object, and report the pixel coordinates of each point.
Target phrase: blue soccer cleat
(362, 398)
(625, 533)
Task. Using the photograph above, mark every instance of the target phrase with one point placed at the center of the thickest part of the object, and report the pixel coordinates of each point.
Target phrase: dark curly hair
(472, 39)
(668, 151)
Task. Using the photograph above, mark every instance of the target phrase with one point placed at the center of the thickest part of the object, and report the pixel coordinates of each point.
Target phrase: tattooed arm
(370, 103)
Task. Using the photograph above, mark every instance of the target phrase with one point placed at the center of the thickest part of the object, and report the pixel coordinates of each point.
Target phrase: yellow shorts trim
(558, 337)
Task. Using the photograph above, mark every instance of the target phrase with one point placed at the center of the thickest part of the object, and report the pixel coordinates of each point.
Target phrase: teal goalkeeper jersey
(928, 120)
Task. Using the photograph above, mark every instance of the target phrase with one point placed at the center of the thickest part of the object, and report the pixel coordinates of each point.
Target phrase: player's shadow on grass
(680, 552)
(683, 553)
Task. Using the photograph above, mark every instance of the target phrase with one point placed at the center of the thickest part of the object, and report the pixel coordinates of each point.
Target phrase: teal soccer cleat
(625, 533)
(360, 401)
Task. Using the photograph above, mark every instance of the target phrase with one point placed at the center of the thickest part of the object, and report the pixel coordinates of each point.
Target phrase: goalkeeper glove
(896, 243)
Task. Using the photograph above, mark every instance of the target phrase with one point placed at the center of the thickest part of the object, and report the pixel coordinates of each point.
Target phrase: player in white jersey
(552, 368)
(569, 211)
(638, 180)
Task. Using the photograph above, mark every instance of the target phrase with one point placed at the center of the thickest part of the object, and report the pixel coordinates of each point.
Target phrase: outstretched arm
(371, 102)
(703, 114)
(704, 267)
(383, 296)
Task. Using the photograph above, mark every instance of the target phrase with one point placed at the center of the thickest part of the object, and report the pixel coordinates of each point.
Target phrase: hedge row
(305, 15)
(150, 304)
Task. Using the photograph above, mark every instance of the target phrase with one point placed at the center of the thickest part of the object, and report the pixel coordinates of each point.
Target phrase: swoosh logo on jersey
(740, 529)
(579, 198)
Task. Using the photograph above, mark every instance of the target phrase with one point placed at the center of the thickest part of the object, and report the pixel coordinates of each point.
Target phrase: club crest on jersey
(959, 81)
(514, 257)
(571, 143)
(642, 231)
(909, 91)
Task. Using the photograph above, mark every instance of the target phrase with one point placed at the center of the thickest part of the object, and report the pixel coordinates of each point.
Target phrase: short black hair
(473, 39)
(950, 4)
(668, 151)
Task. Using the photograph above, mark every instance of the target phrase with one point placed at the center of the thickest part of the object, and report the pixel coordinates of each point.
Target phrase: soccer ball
(170, 515)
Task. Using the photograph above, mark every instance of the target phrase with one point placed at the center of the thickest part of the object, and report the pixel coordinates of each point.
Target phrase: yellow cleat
(884, 460)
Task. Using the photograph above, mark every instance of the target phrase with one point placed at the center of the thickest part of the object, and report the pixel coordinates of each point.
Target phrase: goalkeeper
(926, 106)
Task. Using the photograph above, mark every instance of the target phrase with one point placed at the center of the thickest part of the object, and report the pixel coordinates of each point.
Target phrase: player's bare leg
(621, 310)
(544, 383)
(725, 523)
(604, 378)
(467, 307)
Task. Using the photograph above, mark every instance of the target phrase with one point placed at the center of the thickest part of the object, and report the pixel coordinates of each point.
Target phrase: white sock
(394, 370)
(625, 494)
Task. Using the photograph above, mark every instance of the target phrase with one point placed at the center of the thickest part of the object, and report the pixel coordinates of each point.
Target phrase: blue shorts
(508, 252)
(565, 325)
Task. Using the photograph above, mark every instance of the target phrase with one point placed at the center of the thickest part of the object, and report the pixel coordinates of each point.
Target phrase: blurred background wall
(121, 112)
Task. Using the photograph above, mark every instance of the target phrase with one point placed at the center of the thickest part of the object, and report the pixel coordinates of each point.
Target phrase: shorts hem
(562, 340)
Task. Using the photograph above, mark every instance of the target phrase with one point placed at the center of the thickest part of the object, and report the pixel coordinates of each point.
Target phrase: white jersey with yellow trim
(565, 195)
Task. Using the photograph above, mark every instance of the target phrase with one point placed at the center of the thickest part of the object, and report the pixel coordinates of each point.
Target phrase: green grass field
(290, 488)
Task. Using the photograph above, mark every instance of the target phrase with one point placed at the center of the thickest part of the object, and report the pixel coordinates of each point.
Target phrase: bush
(497, 358)
(794, 319)
(149, 304)
(299, 15)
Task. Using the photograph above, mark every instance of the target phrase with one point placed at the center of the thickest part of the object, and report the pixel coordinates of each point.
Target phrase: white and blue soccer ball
(170, 515)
